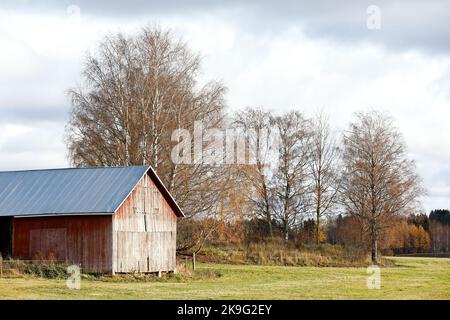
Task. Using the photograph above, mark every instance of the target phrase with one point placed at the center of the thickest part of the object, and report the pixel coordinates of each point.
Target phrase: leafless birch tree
(291, 176)
(379, 182)
(136, 91)
(324, 170)
(253, 123)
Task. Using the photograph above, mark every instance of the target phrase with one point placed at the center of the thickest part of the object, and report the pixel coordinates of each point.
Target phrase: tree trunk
(374, 249)
(318, 227)
(267, 208)
(269, 223)
(319, 201)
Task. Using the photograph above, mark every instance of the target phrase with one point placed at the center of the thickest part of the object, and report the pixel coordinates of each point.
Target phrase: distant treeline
(416, 233)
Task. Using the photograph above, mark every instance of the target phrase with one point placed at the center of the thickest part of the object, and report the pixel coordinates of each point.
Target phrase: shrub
(47, 270)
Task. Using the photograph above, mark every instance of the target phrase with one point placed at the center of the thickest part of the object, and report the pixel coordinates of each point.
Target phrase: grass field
(411, 278)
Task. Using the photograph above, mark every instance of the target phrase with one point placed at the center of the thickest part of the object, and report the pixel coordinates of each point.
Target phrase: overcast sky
(280, 55)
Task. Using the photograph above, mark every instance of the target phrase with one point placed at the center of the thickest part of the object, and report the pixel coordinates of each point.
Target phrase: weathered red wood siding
(85, 240)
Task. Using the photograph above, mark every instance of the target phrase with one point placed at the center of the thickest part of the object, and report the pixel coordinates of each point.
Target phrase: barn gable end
(144, 231)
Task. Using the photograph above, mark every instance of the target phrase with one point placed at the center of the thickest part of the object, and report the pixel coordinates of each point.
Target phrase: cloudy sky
(280, 55)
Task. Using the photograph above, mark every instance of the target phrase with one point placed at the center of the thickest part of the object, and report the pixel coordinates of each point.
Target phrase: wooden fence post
(193, 261)
(1, 266)
(185, 263)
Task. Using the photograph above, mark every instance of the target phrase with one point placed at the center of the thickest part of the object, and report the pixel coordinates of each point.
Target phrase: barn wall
(85, 240)
(144, 237)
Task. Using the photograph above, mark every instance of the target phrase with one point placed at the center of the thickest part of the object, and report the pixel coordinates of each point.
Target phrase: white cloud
(29, 146)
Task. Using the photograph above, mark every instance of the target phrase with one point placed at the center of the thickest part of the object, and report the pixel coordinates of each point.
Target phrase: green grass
(411, 278)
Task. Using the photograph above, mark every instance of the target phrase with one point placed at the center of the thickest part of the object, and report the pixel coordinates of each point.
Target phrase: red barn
(106, 219)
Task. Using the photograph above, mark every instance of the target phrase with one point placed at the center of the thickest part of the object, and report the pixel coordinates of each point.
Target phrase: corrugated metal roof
(67, 191)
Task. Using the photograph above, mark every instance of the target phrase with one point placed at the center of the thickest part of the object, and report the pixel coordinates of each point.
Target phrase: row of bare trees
(299, 175)
(367, 175)
(137, 90)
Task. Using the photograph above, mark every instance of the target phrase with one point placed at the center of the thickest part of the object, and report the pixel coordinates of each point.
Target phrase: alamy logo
(74, 280)
(374, 278)
(373, 17)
